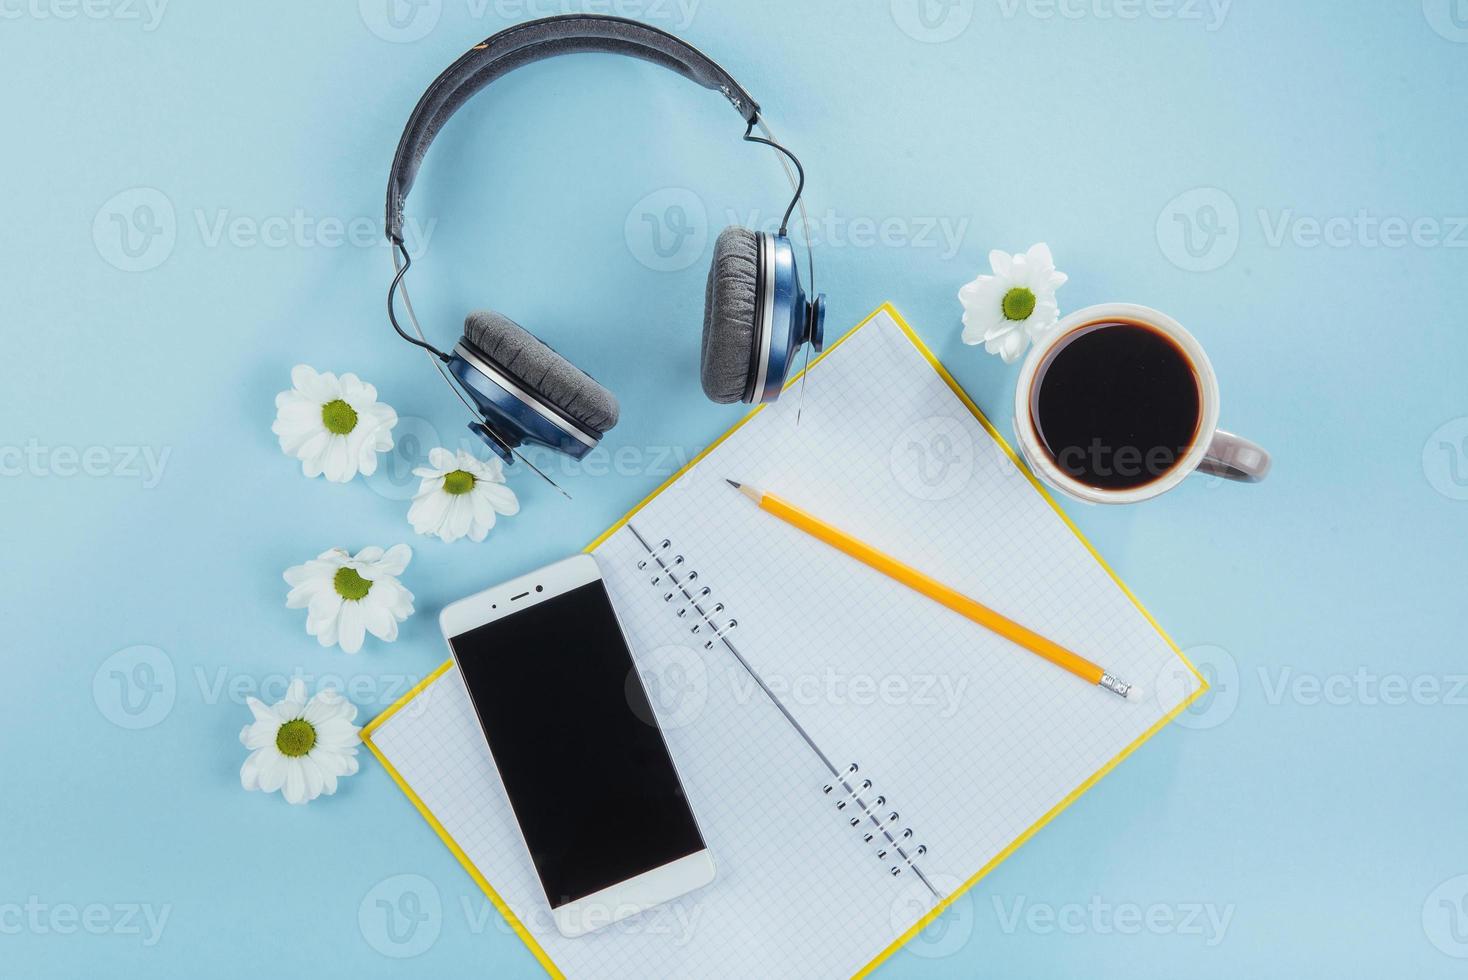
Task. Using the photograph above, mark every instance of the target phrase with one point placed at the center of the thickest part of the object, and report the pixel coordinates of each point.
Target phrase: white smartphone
(578, 748)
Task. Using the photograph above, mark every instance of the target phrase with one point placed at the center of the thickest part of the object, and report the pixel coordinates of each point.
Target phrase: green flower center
(295, 738)
(349, 585)
(338, 417)
(1018, 304)
(457, 482)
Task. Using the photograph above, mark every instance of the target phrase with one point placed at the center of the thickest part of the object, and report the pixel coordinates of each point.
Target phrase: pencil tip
(731, 483)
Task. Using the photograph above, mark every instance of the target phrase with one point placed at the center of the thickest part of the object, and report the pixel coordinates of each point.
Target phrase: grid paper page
(970, 739)
(795, 895)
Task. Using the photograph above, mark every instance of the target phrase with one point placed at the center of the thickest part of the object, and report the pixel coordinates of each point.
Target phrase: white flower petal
(323, 612)
(983, 298)
(320, 708)
(1002, 329)
(343, 712)
(486, 469)
(366, 557)
(250, 772)
(333, 754)
(985, 292)
(356, 393)
(312, 453)
(270, 768)
(428, 510)
(295, 696)
(452, 516)
(327, 634)
(394, 561)
(303, 434)
(501, 498)
(264, 714)
(315, 778)
(294, 787)
(260, 734)
(1020, 273)
(338, 465)
(1040, 260)
(391, 594)
(461, 515)
(320, 388)
(350, 625)
(1012, 345)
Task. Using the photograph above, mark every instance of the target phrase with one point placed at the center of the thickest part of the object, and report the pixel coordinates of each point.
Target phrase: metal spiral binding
(688, 597)
(680, 589)
(884, 835)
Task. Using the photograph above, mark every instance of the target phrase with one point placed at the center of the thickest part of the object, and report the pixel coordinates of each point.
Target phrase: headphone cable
(797, 180)
(397, 283)
(798, 199)
(437, 357)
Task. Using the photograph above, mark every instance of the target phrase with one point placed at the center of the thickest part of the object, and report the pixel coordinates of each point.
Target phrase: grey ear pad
(730, 301)
(542, 371)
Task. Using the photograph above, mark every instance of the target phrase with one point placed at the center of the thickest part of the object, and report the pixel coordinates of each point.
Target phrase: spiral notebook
(856, 755)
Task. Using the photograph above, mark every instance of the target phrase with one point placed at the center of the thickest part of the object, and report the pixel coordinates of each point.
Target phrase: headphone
(757, 315)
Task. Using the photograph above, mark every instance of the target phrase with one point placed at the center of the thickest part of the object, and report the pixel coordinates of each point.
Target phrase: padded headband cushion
(541, 370)
(730, 304)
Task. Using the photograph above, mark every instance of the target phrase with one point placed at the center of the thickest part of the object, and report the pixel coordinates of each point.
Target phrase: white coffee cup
(1212, 450)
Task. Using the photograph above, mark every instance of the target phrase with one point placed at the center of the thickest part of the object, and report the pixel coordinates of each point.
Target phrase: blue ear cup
(756, 317)
(526, 391)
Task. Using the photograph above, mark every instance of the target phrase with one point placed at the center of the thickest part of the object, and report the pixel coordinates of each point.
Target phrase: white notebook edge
(891, 312)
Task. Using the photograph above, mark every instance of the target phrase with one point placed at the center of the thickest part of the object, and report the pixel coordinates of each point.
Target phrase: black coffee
(1116, 404)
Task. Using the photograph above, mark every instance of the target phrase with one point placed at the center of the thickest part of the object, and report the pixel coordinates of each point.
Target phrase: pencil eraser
(1135, 693)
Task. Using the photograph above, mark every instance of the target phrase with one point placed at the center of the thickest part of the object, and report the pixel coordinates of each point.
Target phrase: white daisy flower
(346, 596)
(334, 426)
(1013, 306)
(460, 495)
(300, 747)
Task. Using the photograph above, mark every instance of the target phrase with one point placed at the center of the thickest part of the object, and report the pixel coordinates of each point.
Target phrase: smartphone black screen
(573, 736)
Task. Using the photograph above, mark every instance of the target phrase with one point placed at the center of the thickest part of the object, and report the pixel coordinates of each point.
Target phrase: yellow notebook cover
(1013, 660)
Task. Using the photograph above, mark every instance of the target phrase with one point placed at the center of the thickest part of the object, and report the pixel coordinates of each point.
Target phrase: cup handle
(1235, 458)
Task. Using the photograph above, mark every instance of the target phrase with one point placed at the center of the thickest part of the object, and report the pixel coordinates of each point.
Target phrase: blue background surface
(1301, 803)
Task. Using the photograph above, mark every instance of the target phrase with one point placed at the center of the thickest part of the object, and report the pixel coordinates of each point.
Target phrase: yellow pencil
(938, 592)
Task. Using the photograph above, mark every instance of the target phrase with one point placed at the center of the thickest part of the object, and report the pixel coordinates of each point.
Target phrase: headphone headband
(534, 41)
